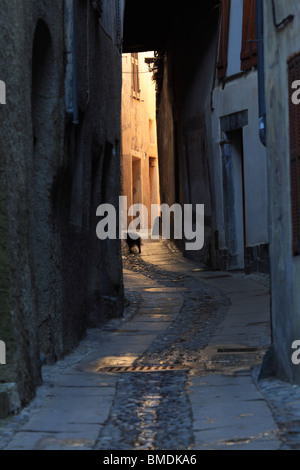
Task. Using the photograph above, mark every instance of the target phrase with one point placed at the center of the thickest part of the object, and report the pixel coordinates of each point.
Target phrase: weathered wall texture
(280, 45)
(140, 179)
(184, 95)
(203, 160)
(165, 137)
(239, 97)
(56, 276)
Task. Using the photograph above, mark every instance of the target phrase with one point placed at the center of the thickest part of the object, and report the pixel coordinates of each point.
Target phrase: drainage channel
(149, 411)
(237, 350)
(140, 368)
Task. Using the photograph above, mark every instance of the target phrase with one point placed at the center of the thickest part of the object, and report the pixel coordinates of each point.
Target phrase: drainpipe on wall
(268, 362)
(71, 102)
(261, 72)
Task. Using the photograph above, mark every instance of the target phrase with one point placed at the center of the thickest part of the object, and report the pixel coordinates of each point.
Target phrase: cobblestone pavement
(191, 330)
(156, 413)
(178, 371)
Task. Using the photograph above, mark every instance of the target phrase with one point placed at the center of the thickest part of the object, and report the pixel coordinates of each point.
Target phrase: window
(234, 37)
(151, 131)
(223, 48)
(248, 41)
(135, 84)
(294, 121)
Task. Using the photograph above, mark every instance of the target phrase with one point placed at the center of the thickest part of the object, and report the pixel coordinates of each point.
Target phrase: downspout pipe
(261, 71)
(71, 99)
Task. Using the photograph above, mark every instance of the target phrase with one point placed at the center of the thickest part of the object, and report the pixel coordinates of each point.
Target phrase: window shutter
(249, 43)
(132, 72)
(223, 45)
(294, 124)
(135, 81)
(137, 74)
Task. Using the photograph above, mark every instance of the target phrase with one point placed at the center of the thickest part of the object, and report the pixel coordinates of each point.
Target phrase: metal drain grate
(162, 368)
(237, 350)
(217, 276)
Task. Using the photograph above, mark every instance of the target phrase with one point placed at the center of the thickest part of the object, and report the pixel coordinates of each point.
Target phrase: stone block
(9, 398)
(4, 405)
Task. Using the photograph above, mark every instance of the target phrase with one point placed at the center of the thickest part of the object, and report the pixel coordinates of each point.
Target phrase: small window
(135, 84)
(223, 46)
(228, 38)
(234, 37)
(249, 39)
(151, 131)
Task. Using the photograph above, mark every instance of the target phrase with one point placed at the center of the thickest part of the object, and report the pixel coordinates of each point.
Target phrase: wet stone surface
(284, 401)
(191, 330)
(151, 411)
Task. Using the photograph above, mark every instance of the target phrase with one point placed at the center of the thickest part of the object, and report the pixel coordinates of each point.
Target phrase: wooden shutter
(249, 37)
(137, 77)
(223, 45)
(294, 124)
(135, 74)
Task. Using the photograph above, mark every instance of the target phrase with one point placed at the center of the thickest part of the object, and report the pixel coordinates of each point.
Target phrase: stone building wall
(56, 277)
(281, 44)
(184, 83)
(140, 177)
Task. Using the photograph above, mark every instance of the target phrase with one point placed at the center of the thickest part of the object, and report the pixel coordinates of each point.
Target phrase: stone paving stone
(245, 444)
(146, 326)
(59, 441)
(70, 412)
(257, 298)
(163, 318)
(123, 347)
(84, 380)
(96, 391)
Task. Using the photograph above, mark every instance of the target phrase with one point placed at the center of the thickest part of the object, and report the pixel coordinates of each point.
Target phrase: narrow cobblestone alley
(177, 372)
(176, 120)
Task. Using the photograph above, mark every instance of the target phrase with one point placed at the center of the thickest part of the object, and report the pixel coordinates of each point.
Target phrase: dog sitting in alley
(133, 240)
